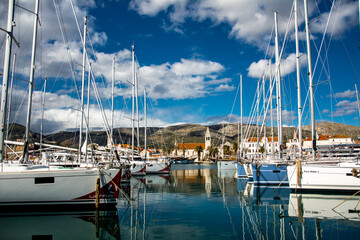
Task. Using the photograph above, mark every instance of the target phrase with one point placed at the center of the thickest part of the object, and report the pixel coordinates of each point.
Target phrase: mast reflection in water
(199, 202)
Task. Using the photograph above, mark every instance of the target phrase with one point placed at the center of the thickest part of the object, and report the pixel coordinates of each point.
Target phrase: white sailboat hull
(62, 186)
(324, 177)
(156, 167)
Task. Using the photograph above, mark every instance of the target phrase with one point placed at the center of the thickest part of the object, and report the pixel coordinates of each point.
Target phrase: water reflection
(198, 202)
(90, 225)
(325, 207)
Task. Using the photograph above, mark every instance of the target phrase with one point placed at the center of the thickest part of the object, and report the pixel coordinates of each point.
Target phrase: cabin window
(43, 180)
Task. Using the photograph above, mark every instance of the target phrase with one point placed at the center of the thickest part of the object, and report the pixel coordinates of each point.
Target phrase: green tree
(210, 150)
(261, 149)
(169, 150)
(235, 148)
(215, 152)
(199, 150)
(226, 149)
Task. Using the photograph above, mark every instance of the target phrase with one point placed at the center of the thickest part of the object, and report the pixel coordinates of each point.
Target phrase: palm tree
(262, 149)
(169, 150)
(210, 150)
(215, 152)
(226, 150)
(199, 150)
(235, 148)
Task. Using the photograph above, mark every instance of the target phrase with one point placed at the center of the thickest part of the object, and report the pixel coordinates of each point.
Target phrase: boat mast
(137, 113)
(9, 106)
(82, 90)
(257, 118)
(42, 115)
(310, 74)
(357, 98)
(145, 124)
(87, 119)
(112, 109)
(133, 101)
(241, 115)
(6, 70)
(278, 93)
(271, 109)
(264, 106)
(31, 83)
(298, 77)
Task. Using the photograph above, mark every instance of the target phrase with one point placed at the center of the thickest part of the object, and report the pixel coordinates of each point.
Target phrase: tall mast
(264, 106)
(42, 114)
(31, 83)
(112, 109)
(298, 76)
(257, 117)
(357, 98)
(145, 134)
(137, 113)
(271, 110)
(241, 115)
(87, 119)
(6, 70)
(310, 74)
(82, 90)
(133, 101)
(278, 93)
(9, 105)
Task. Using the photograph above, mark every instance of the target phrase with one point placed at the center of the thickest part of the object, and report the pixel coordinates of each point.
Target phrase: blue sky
(190, 54)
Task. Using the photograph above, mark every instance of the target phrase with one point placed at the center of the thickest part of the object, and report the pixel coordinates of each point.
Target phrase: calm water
(198, 202)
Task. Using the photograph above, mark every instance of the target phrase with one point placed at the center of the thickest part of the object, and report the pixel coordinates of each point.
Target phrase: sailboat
(272, 170)
(142, 166)
(340, 176)
(30, 185)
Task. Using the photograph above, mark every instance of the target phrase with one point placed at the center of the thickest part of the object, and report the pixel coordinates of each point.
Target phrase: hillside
(160, 137)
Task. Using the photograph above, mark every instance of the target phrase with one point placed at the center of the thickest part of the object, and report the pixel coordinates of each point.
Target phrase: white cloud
(99, 38)
(347, 94)
(345, 107)
(343, 18)
(224, 88)
(287, 66)
(152, 7)
(196, 67)
(250, 20)
(181, 80)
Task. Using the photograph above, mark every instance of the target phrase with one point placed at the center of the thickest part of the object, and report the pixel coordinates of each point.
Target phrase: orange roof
(190, 145)
(129, 146)
(254, 139)
(323, 137)
(340, 136)
(275, 139)
(125, 145)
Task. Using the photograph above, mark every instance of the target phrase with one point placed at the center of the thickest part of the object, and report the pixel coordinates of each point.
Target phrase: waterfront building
(267, 145)
(322, 140)
(188, 149)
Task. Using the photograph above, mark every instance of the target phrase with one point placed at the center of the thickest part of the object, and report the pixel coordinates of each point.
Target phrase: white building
(327, 140)
(188, 149)
(269, 145)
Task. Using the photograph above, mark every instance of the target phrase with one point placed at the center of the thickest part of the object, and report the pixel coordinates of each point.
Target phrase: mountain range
(188, 133)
